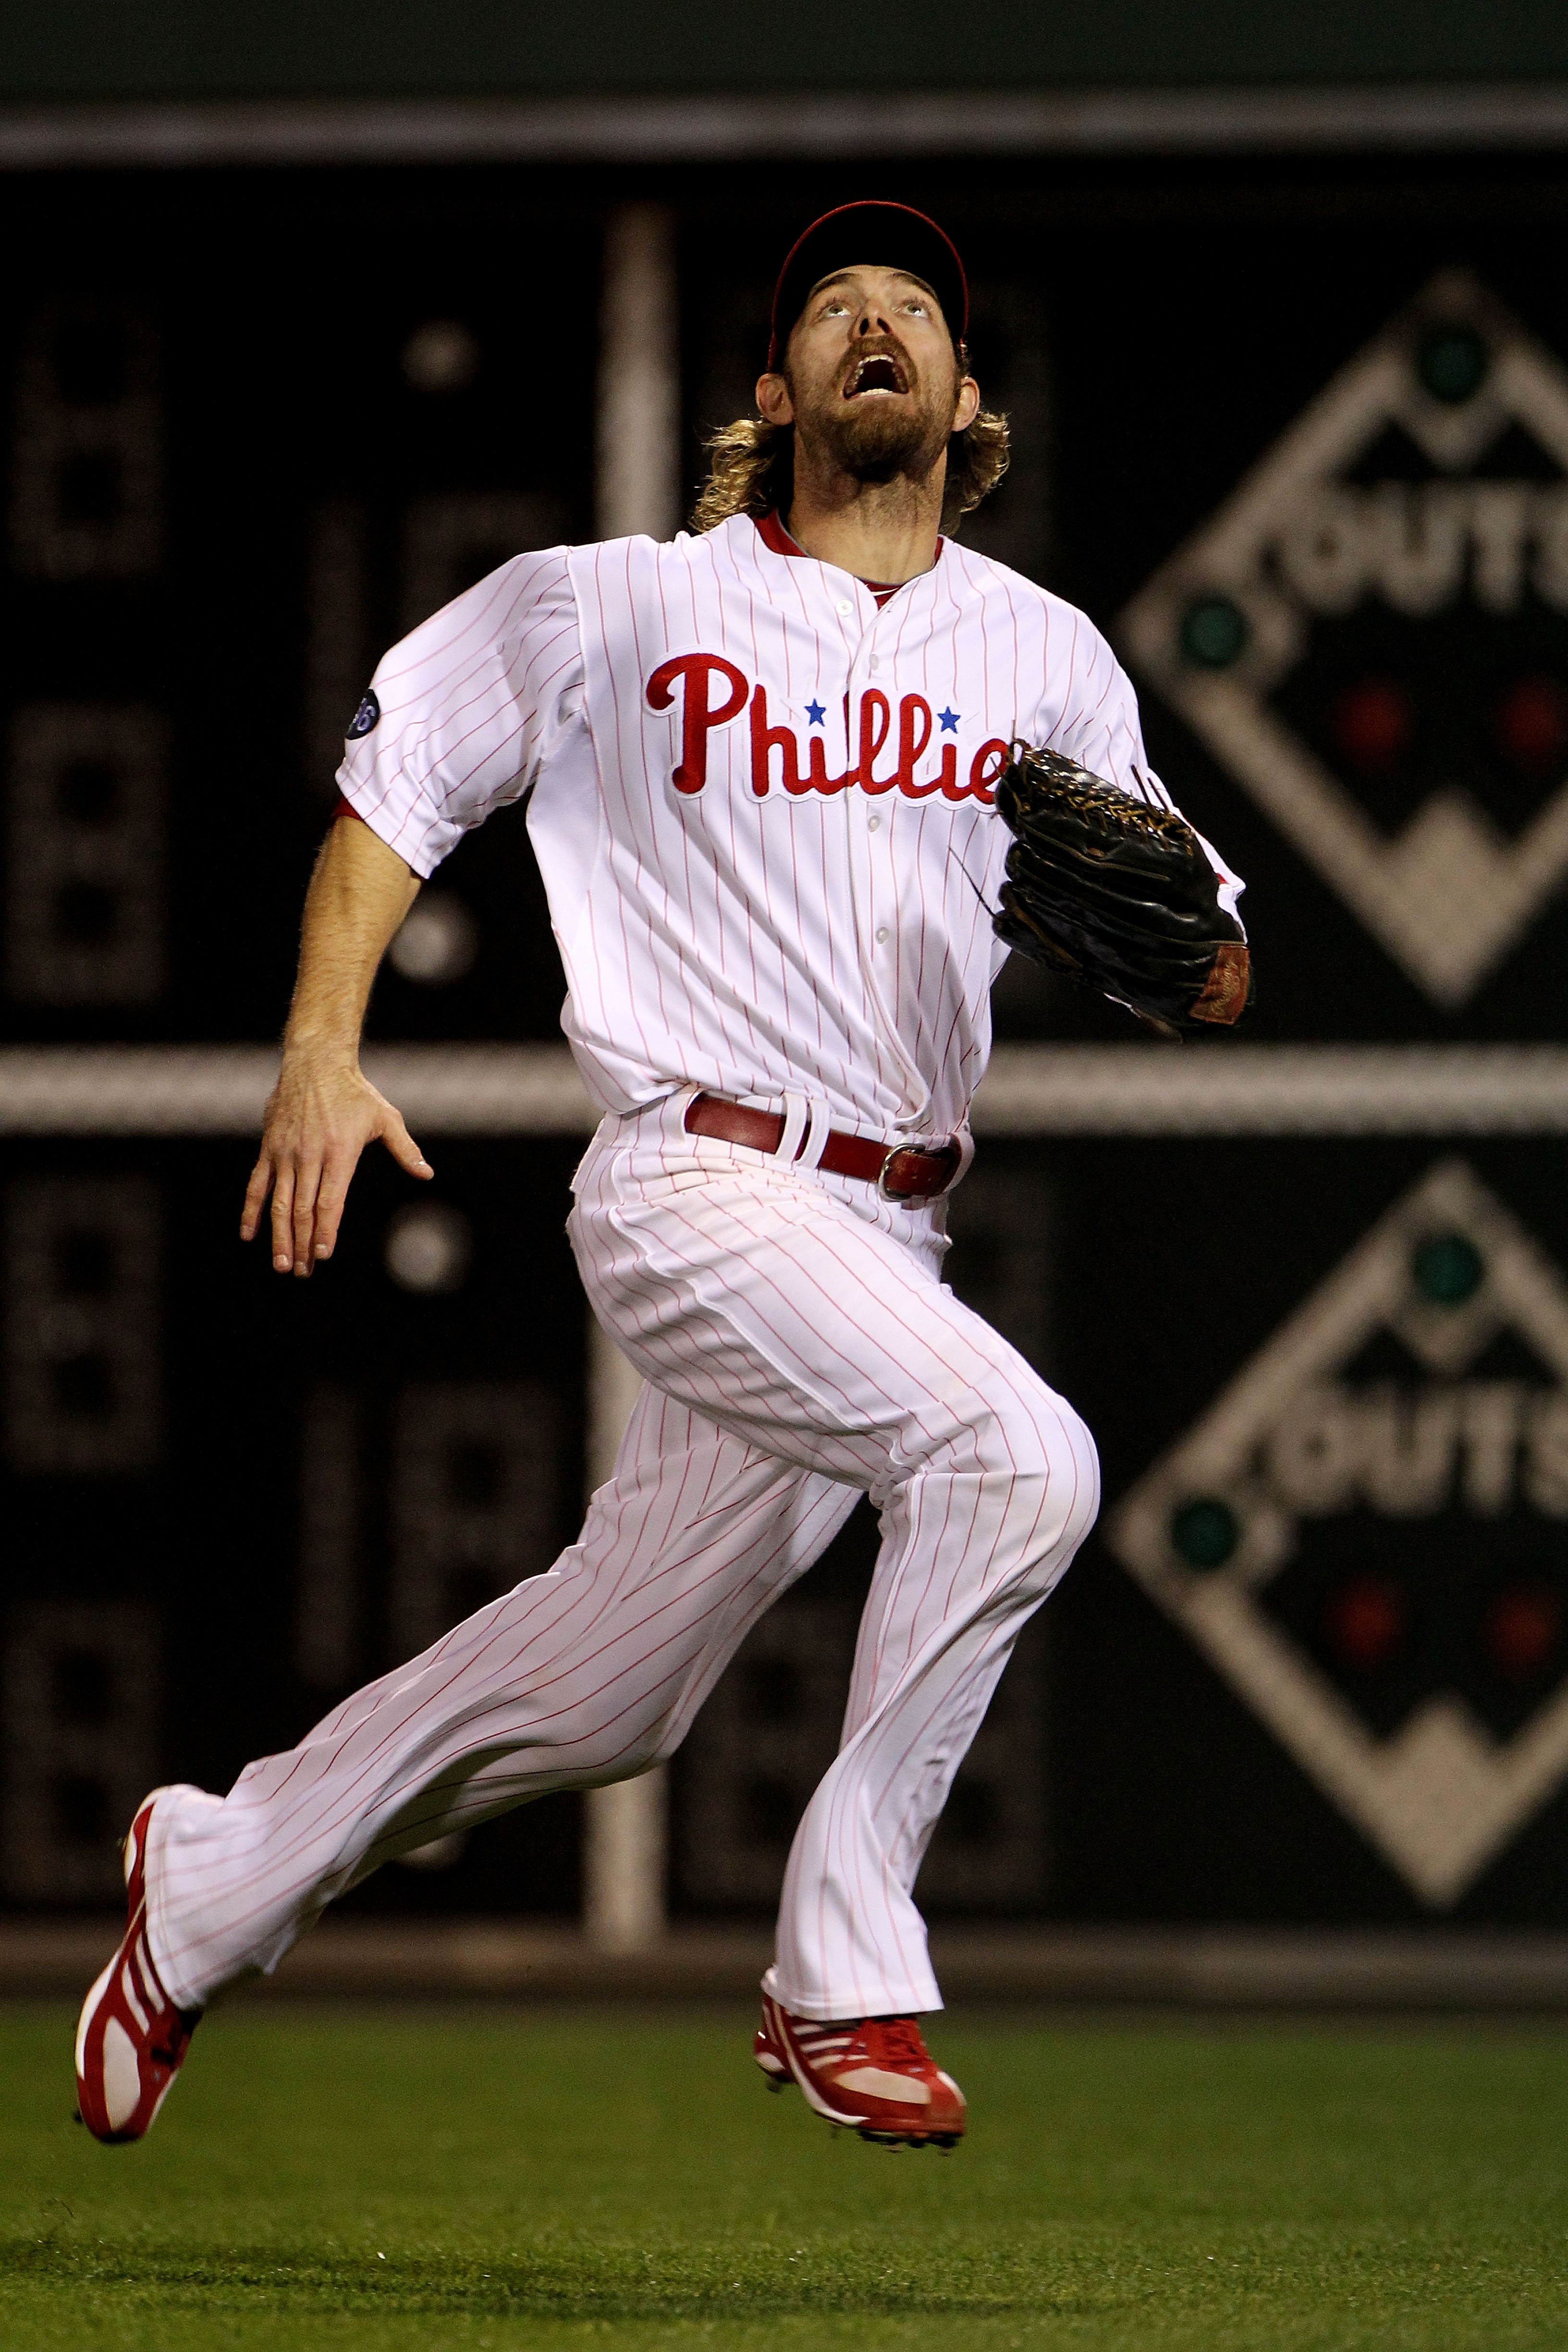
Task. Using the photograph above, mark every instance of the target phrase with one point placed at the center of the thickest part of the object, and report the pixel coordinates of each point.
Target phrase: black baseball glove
(1118, 895)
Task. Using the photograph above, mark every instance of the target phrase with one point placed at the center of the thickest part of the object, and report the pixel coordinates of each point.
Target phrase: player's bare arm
(872, 384)
(324, 1110)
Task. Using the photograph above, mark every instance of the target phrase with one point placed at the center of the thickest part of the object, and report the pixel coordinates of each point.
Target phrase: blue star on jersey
(950, 719)
(815, 714)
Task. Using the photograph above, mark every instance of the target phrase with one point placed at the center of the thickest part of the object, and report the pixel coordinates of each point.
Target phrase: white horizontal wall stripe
(1221, 1089)
(220, 1090)
(183, 135)
(1274, 1090)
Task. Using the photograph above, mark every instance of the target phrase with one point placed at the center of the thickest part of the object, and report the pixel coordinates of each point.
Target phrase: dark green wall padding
(106, 49)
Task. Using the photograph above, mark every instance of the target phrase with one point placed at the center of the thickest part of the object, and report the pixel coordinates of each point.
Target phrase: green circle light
(1447, 1269)
(1214, 632)
(1205, 1532)
(1452, 363)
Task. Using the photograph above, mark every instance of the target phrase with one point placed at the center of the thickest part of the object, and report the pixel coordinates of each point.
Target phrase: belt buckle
(898, 1152)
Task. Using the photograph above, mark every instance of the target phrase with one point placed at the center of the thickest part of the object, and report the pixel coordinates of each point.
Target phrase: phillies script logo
(703, 708)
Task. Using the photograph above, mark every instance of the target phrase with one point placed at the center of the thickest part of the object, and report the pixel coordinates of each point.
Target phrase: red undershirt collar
(773, 535)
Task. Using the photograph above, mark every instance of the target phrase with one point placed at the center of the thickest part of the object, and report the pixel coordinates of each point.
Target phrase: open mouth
(877, 372)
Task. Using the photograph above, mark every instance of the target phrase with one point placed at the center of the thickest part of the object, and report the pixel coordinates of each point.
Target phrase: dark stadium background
(1153, 323)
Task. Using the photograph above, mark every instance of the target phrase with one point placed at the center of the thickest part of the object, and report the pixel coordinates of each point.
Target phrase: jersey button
(875, 662)
(882, 935)
(844, 607)
(873, 825)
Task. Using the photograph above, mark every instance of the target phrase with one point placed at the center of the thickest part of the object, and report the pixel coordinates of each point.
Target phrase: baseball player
(762, 766)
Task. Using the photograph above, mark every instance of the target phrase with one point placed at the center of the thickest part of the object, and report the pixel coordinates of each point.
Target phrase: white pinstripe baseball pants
(799, 1350)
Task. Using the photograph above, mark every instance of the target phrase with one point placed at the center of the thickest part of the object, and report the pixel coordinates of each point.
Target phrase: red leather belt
(899, 1172)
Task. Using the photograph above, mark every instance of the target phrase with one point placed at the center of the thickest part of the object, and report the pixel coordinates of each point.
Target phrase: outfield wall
(95, 49)
(1293, 425)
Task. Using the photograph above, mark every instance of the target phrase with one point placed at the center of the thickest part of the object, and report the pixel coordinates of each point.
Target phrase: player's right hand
(319, 1119)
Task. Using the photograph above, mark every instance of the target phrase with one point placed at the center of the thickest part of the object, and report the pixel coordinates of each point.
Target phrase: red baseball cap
(895, 236)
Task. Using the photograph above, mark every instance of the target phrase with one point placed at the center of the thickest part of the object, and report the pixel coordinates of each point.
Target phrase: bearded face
(878, 415)
(873, 382)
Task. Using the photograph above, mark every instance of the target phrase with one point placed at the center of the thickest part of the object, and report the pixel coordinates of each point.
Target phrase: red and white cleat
(770, 2057)
(130, 2040)
(874, 2075)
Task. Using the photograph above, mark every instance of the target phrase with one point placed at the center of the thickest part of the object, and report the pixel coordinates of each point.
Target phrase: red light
(1532, 722)
(1365, 1621)
(1521, 1628)
(1373, 722)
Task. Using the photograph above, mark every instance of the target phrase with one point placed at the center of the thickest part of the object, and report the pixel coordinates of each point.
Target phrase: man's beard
(875, 440)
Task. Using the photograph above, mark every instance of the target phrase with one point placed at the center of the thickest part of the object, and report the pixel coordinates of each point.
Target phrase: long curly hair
(751, 468)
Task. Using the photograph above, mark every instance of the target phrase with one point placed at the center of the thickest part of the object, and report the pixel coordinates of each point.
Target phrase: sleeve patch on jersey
(364, 718)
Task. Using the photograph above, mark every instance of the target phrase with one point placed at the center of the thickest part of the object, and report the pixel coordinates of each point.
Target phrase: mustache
(880, 364)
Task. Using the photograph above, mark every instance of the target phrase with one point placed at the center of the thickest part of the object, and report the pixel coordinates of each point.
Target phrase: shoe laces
(901, 2040)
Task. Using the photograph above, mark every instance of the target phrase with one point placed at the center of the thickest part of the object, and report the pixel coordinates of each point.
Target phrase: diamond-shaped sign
(1364, 1532)
(1372, 634)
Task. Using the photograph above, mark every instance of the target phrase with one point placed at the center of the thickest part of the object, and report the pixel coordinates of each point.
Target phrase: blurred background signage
(1370, 635)
(292, 351)
(1364, 1532)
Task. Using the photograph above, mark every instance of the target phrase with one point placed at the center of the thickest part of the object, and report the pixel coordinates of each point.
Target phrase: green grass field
(433, 2179)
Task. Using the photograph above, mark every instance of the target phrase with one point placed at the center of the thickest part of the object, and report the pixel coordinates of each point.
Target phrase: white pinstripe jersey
(761, 804)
